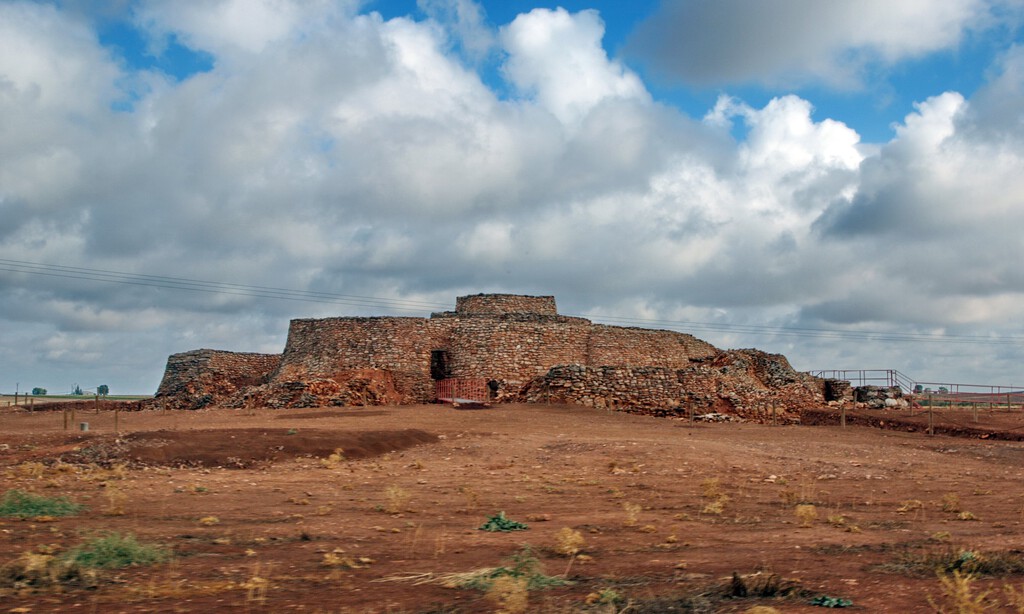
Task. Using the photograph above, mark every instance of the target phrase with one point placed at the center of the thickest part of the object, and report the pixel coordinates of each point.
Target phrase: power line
(233, 289)
(211, 287)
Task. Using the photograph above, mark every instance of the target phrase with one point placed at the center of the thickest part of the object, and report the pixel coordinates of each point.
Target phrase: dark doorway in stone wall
(492, 388)
(439, 365)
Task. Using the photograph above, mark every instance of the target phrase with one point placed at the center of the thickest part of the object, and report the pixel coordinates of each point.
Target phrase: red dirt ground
(288, 519)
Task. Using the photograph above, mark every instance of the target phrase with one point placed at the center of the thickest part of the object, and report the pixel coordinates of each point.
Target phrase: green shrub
(498, 522)
(116, 550)
(20, 504)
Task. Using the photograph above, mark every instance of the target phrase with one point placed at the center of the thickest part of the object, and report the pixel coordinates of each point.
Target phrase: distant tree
(102, 390)
(943, 390)
(38, 392)
(78, 390)
(918, 389)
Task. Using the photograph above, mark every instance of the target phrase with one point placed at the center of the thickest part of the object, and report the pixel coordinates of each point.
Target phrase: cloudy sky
(841, 182)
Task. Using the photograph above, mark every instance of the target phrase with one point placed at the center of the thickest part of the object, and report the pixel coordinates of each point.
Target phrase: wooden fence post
(931, 416)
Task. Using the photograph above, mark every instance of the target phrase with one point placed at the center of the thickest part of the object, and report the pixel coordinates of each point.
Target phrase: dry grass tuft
(116, 501)
(338, 559)
(960, 596)
(909, 505)
(32, 469)
(951, 502)
(806, 514)
(42, 569)
(569, 542)
(397, 499)
(716, 507)
(711, 488)
(472, 497)
(632, 513)
(257, 585)
(509, 595)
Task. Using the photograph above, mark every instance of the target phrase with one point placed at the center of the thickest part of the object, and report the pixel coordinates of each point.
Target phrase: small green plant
(825, 601)
(499, 523)
(20, 504)
(113, 550)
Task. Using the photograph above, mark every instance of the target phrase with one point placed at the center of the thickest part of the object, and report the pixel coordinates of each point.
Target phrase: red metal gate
(459, 390)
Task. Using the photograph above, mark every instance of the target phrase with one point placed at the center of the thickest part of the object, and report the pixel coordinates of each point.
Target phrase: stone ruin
(519, 345)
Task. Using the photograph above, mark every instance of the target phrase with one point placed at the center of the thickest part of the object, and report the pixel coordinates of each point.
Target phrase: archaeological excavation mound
(502, 347)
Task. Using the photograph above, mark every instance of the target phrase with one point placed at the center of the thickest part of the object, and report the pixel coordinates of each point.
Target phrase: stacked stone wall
(617, 345)
(331, 348)
(746, 383)
(515, 348)
(203, 377)
(496, 304)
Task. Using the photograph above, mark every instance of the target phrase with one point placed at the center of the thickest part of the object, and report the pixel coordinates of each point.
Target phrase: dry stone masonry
(201, 377)
(519, 344)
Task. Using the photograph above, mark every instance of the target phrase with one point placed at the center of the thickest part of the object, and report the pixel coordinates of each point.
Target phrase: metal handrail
(947, 393)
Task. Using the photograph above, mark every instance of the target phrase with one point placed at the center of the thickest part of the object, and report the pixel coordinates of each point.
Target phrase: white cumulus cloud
(340, 152)
(556, 57)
